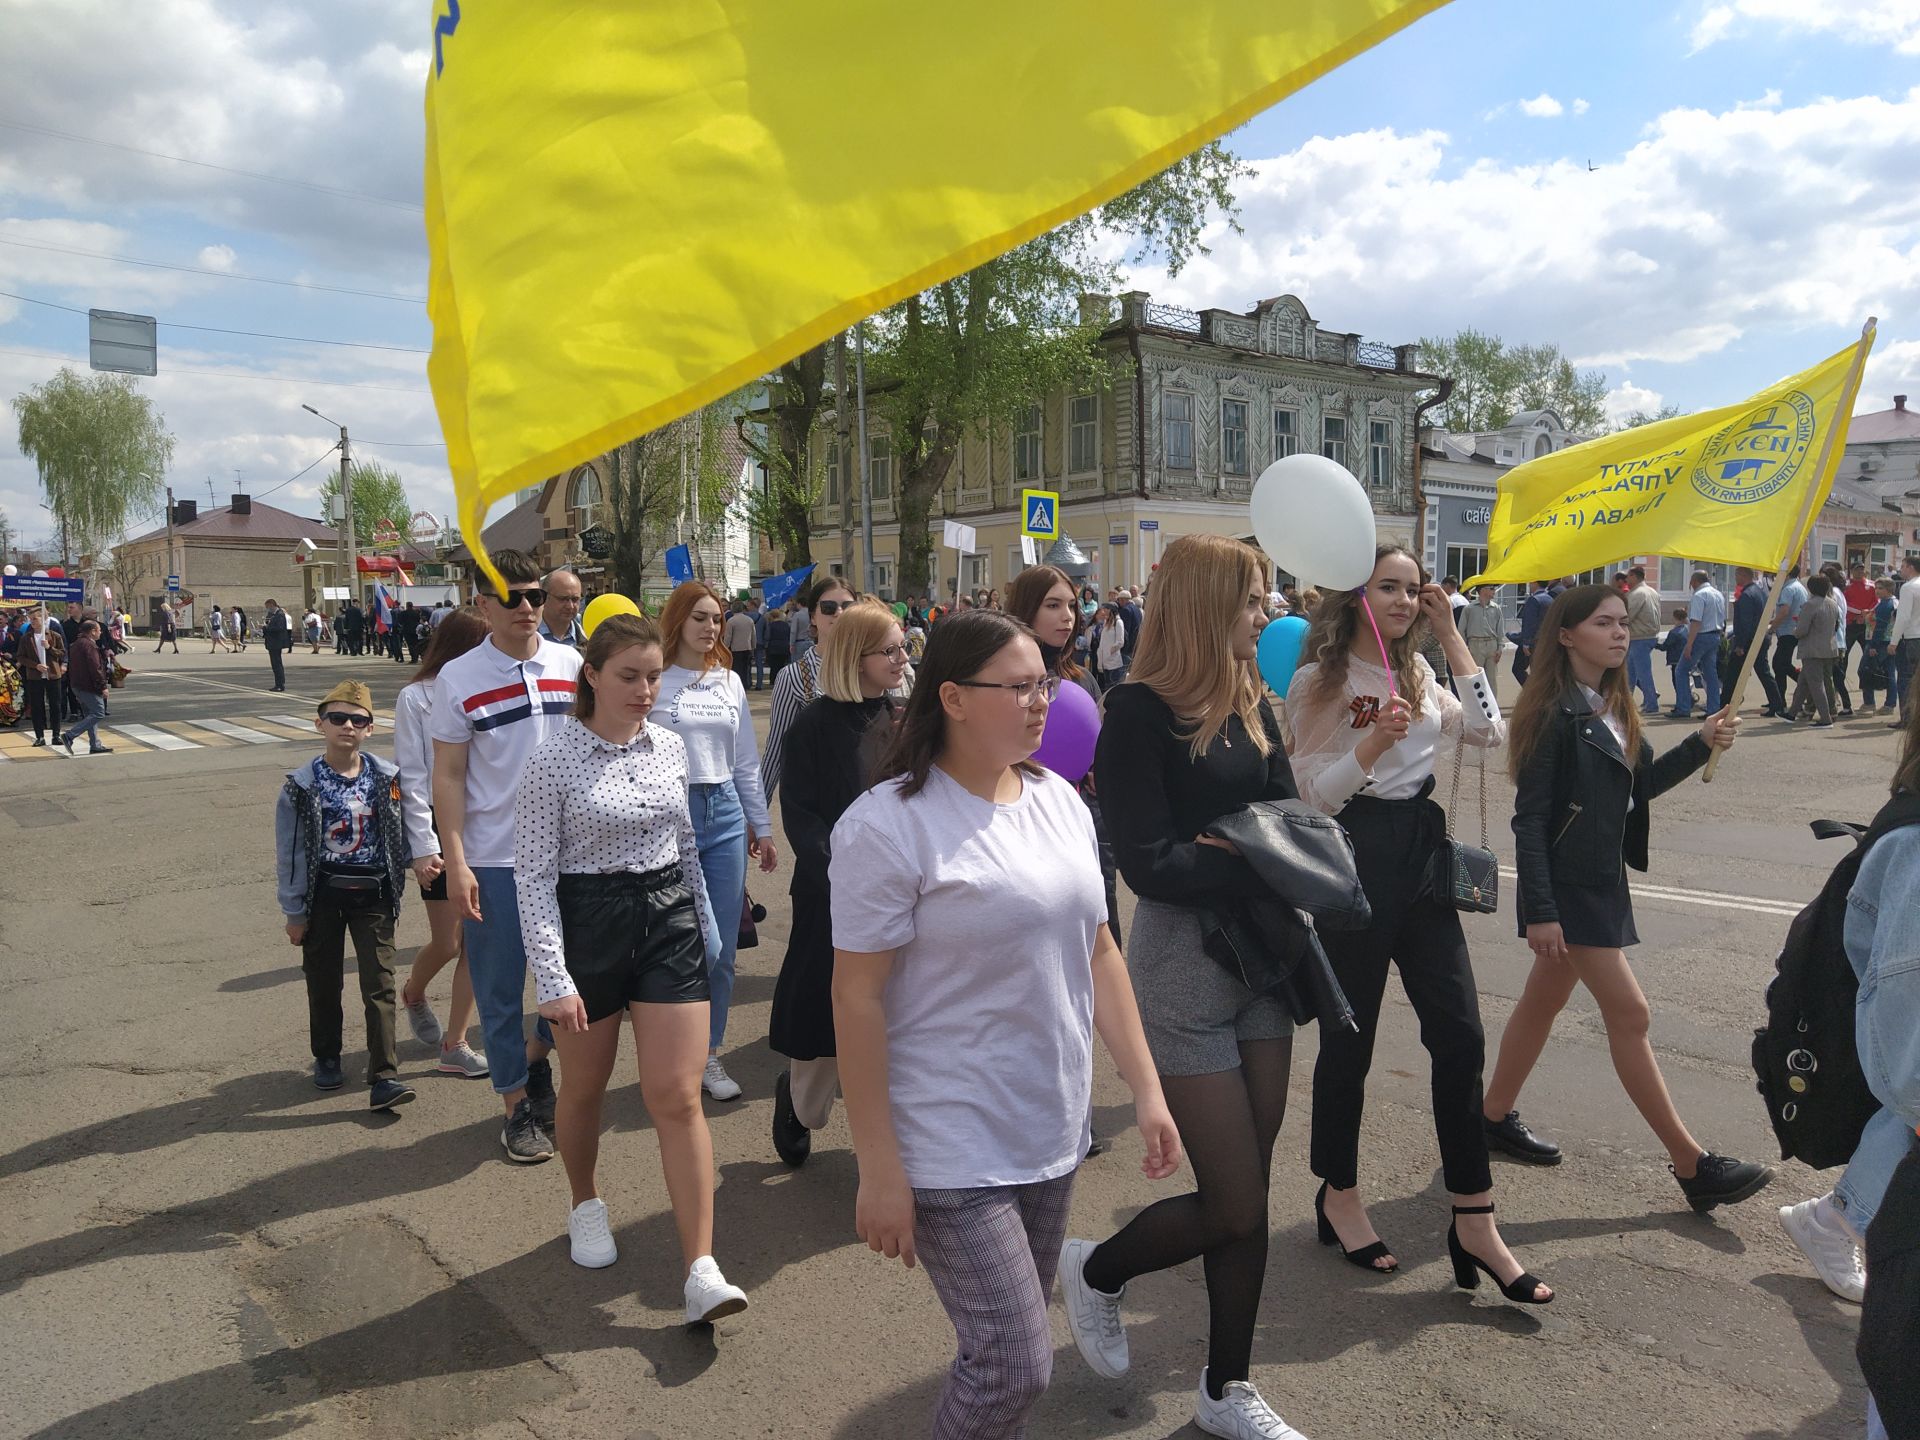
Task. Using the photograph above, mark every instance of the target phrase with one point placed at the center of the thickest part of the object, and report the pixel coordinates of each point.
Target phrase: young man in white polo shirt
(492, 706)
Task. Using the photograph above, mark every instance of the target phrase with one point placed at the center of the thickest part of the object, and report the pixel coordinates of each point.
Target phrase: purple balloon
(1073, 724)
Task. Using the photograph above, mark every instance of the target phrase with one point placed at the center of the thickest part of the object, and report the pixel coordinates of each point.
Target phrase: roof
(1899, 423)
(521, 528)
(264, 522)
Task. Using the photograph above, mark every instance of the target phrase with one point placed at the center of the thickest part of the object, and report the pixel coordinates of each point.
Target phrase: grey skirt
(1195, 1014)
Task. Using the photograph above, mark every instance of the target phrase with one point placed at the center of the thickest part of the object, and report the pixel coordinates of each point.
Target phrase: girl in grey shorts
(1189, 738)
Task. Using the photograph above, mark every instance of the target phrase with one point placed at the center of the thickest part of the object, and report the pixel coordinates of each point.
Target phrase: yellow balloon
(602, 606)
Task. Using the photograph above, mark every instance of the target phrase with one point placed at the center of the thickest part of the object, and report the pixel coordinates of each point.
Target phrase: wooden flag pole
(1843, 413)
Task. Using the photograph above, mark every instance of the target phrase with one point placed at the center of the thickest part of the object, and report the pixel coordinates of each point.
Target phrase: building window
(1333, 439)
(1233, 437)
(1465, 561)
(880, 465)
(1083, 434)
(1829, 552)
(1286, 433)
(1179, 428)
(1878, 554)
(584, 499)
(833, 472)
(978, 568)
(883, 574)
(1380, 453)
(1026, 444)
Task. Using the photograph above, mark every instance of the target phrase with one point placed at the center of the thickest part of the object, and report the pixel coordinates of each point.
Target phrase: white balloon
(13, 570)
(1312, 518)
(39, 574)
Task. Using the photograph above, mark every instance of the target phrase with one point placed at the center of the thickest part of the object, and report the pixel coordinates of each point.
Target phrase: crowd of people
(60, 671)
(587, 809)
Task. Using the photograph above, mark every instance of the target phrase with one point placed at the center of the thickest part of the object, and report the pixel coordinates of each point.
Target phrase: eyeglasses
(1024, 691)
(832, 607)
(347, 717)
(892, 652)
(513, 599)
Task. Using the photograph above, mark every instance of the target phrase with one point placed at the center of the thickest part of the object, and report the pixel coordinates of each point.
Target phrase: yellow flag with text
(635, 209)
(1728, 486)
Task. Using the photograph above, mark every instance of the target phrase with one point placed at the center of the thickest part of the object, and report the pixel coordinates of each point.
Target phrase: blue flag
(777, 590)
(679, 564)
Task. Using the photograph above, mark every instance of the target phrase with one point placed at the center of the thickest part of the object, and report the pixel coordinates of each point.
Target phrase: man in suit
(42, 660)
(277, 631)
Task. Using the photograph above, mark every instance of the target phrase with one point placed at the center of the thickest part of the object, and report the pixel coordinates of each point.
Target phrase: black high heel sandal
(1467, 1265)
(1365, 1255)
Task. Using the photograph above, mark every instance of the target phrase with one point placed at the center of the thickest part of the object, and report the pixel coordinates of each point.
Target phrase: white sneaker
(593, 1246)
(424, 1023)
(462, 1059)
(1092, 1315)
(1816, 1227)
(709, 1296)
(716, 1082)
(1239, 1413)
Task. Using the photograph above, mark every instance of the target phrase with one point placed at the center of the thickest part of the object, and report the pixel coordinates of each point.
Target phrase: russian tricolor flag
(382, 610)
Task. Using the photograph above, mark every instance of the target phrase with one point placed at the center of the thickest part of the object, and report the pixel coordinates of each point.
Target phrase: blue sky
(1753, 200)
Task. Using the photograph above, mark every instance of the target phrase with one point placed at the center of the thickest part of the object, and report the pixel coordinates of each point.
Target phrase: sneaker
(716, 1082)
(385, 1094)
(1816, 1227)
(1239, 1413)
(326, 1074)
(541, 1094)
(462, 1059)
(97, 749)
(593, 1245)
(1722, 1180)
(1092, 1315)
(66, 742)
(424, 1023)
(792, 1141)
(709, 1296)
(523, 1139)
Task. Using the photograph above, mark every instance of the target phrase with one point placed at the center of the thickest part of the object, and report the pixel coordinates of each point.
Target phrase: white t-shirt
(709, 712)
(992, 911)
(502, 709)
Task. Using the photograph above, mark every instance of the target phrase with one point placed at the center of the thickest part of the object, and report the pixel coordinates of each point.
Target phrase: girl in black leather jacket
(1586, 779)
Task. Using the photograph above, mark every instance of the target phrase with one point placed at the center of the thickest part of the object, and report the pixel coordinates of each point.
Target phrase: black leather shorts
(632, 938)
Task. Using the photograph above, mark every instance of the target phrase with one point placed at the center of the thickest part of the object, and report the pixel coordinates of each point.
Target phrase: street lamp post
(349, 553)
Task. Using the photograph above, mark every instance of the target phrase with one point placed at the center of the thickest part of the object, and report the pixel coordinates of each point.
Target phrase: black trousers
(1889, 1346)
(1394, 842)
(277, 658)
(743, 667)
(323, 956)
(1785, 672)
(43, 704)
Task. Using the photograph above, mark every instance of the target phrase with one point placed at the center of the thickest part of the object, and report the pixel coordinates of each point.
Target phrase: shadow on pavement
(1830, 1331)
(265, 980)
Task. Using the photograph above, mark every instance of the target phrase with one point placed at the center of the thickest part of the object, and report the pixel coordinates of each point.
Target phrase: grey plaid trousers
(991, 1254)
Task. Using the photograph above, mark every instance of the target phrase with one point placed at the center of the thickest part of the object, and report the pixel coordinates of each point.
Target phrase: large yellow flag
(1729, 486)
(634, 209)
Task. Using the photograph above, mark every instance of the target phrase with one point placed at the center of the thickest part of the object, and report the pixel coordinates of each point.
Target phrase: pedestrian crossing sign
(1040, 514)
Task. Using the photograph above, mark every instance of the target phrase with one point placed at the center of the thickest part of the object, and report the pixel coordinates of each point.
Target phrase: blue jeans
(1640, 671)
(1704, 662)
(92, 708)
(497, 965)
(721, 827)
(1906, 661)
(1883, 1145)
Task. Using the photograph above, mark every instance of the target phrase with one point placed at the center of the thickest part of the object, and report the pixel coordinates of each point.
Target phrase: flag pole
(1843, 415)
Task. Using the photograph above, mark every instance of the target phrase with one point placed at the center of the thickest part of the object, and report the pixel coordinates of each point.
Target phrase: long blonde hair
(1338, 618)
(856, 630)
(1184, 655)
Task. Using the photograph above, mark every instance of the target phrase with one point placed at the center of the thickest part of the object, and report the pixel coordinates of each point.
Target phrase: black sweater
(1156, 797)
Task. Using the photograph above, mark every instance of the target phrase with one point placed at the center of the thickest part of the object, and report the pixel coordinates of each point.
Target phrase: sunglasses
(833, 607)
(346, 717)
(513, 599)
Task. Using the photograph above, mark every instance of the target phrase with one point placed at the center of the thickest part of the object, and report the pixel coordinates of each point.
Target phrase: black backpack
(1805, 1057)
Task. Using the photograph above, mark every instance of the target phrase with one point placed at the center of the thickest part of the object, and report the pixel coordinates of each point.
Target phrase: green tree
(1636, 418)
(379, 494)
(102, 451)
(969, 353)
(1494, 381)
(795, 396)
(667, 484)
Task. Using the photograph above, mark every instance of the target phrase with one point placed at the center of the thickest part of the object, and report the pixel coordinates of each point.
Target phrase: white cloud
(218, 257)
(1893, 369)
(1769, 100)
(1580, 107)
(1624, 400)
(1714, 227)
(1542, 107)
(1894, 23)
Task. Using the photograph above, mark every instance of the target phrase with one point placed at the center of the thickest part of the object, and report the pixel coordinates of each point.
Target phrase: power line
(232, 374)
(216, 274)
(301, 471)
(403, 444)
(221, 330)
(223, 169)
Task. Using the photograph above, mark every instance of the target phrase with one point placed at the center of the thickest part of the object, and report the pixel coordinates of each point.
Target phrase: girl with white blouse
(608, 878)
(1365, 743)
(971, 968)
(704, 703)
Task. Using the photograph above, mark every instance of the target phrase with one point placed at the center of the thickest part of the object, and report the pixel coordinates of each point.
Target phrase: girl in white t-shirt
(971, 967)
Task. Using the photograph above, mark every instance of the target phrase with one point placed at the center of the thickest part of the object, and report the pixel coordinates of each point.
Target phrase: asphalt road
(199, 1244)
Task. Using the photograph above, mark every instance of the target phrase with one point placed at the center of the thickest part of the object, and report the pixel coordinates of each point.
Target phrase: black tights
(1228, 1123)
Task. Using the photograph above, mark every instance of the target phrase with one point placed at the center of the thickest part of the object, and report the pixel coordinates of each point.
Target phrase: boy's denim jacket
(1883, 943)
(296, 831)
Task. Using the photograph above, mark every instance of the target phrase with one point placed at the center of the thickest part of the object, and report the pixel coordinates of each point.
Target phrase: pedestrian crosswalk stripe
(194, 733)
(158, 739)
(236, 732)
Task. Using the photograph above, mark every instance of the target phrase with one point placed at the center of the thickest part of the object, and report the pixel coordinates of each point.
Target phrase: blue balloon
(1279, 653)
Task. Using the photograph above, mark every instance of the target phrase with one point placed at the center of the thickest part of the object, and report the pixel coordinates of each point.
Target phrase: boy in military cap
(342, 867)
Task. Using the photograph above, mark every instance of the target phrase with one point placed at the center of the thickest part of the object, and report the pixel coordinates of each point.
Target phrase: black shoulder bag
(1467, 877)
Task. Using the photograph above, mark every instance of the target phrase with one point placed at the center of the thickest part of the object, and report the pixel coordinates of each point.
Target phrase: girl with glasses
(704, 702)
(829, 756)
(799, 684)
(971, 968)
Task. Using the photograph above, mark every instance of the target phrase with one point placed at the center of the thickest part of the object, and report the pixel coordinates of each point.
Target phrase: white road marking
(158, 739)
(238, 732)
(1711, 899)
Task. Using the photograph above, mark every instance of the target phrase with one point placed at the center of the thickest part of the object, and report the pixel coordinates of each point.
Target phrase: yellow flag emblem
(1734, 486)
(635, 209)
